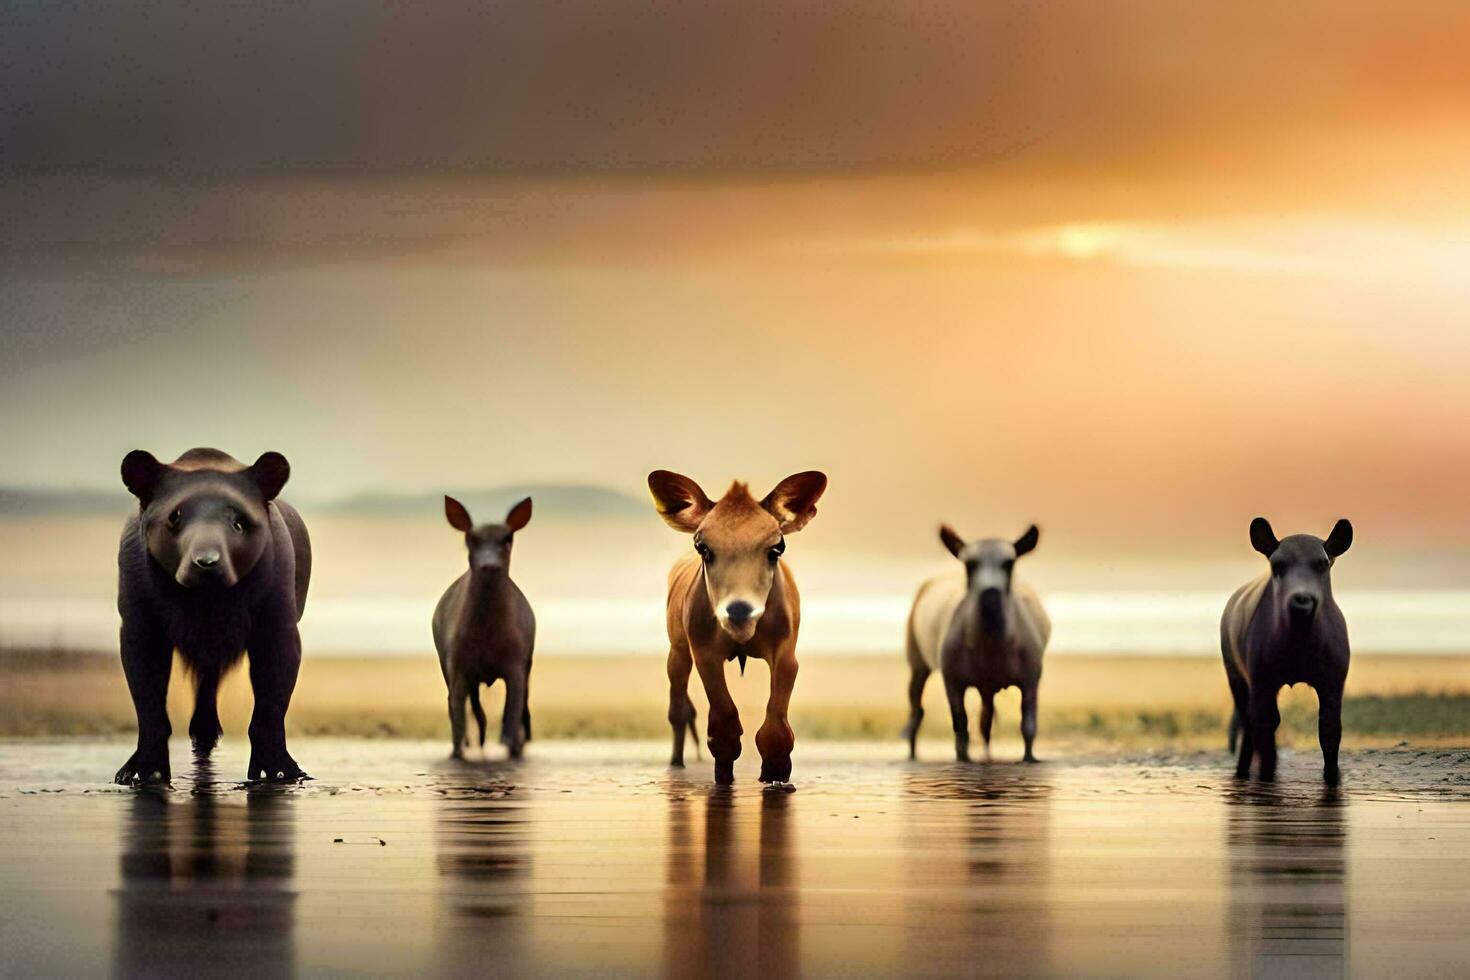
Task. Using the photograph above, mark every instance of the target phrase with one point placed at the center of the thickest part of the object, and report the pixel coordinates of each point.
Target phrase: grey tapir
(1285, 628)
(485, 631)
(213, 565)
(986, 631)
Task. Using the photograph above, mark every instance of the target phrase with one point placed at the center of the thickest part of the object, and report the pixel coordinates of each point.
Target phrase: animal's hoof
(725, 773)
(779, 786)
(676, 763)
(1331, 775)
(962, 757)
(143, 770)
(274, 767)
(775, 770)
(1030, 758)
(291, 775)
(516, 751)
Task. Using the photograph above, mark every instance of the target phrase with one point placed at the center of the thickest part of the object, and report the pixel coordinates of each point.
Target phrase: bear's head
(205, 516)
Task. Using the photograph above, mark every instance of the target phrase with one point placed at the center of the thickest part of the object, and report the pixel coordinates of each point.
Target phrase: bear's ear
(458, 517)
(141, 472)
(270, 472)
(519, 516)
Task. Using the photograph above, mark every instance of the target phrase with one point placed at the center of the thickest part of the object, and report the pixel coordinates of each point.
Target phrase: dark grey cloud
(352, 85)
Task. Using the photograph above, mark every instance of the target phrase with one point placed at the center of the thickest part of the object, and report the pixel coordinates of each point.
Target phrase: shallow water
(596, 859)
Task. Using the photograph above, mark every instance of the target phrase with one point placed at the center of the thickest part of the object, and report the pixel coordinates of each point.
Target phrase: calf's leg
(681, 709)
(775, 739)
(724, 720)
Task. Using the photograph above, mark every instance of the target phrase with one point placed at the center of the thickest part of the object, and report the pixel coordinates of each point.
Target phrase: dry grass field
(1098, 701)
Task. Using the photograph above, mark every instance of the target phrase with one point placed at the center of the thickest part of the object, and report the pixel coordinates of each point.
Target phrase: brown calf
(734, 598)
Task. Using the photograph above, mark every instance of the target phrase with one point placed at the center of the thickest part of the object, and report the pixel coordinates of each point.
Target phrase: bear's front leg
(275, 660)
(147, 659)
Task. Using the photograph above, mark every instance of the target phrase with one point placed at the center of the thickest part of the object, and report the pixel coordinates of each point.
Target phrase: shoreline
(1091, 701)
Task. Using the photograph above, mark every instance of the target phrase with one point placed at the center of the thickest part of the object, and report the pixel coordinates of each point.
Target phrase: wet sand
(595, 859)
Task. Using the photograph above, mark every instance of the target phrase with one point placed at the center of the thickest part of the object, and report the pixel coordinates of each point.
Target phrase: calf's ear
(270, 472)
(458, 517)
(679, 500)
(951, 539)
(519, 516)
(794, 501)
(1026, 543)
(141, 472)
(1340, 540)
(1263, 539)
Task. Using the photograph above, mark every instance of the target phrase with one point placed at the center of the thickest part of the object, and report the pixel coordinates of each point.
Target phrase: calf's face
(989, 564)
(740, 540)
(489, 544)
(1301, 568)
(205, 527)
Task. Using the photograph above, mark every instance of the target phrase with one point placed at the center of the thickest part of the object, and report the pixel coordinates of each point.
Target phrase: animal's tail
(910, 639)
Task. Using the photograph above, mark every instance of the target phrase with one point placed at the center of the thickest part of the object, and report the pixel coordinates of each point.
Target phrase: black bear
(212, 565)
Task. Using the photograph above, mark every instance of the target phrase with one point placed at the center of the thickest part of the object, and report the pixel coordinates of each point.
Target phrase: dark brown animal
(485, 631)
(213, 565)
(1285, 628)
(732, 599)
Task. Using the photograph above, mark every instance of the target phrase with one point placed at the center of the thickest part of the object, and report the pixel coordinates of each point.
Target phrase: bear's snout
(205, 564)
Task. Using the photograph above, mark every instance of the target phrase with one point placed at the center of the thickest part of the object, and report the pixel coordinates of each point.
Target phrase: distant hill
(554, 501)
(26, 502)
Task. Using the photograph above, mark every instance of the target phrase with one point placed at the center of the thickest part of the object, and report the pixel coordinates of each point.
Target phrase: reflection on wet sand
(601, 862)
(1288, 899)
(204, 879)
(731, 898)
(981, 875)
(483, 860)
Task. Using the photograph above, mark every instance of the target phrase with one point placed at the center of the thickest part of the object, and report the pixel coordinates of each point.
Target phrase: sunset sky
(1135, 271)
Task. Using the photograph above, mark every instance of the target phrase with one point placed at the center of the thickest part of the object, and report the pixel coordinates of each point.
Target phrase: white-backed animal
(983, 629)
